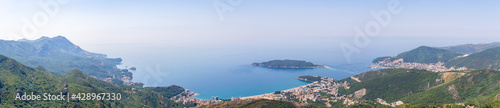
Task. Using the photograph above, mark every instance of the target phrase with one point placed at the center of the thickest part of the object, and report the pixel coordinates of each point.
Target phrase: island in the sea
(288, 64)
(310, 78)
(132, 68)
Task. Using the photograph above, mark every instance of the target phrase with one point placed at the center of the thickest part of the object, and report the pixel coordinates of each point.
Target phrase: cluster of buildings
(394, 104)
(186, 97)
(325, 90)
(312, 91)
(348, 101)
(215, 99)
(434, 67)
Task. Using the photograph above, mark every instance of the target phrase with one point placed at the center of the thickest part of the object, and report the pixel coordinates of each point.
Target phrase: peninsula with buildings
(399, 63)
(423, 57)
(309, 78)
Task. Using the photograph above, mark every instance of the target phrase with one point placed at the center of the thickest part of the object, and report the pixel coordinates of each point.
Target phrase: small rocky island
(132, 68)
(288, 64)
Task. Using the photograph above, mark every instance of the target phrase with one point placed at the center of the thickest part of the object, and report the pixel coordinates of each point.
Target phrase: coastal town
(324, 91)
(187, 97)
(399, 63)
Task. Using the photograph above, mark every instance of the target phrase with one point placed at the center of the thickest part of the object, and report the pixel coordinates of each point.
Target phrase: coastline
(261, 93)
(124, 65)
(267, 95)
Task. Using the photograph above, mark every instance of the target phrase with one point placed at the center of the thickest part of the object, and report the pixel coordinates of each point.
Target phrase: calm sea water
(226, 71)
(218, 74)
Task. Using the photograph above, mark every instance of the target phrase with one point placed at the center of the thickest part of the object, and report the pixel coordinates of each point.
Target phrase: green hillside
(287, 64)
(254, 103)
(487, 59)
(391, 84)
(478, 87)
(424, 54)
(17, 78)
(424, 88)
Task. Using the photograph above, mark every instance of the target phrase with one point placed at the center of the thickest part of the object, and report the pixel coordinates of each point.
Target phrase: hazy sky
(196, 22)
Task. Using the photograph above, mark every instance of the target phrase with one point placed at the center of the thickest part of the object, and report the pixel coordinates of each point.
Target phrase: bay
(225, 70)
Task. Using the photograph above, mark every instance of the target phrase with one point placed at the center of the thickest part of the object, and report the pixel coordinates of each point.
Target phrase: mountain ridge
(16, 78)
(487, 59)
(60, 56)
(471, 48)
(423, 54)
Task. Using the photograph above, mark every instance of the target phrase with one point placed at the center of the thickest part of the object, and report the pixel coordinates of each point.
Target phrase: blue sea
(227, 75)
(225, 70)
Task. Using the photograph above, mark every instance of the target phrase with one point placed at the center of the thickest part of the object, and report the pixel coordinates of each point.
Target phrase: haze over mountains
(473, 56)
(471, 48)
(426, 54)
(18, 78)
(60, 56)
(487, 59)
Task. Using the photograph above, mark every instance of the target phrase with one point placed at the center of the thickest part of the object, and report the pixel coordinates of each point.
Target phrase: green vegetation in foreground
(265, 103)
(487, 59)
(287, 64)
(477, 87)
(419, 88)
(254, 103)
(392, 84)
(424, 54)
(60, 56)
(17, 78)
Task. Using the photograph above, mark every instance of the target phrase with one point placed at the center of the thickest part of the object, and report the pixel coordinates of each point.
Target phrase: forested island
(309, 78)
(290, 64)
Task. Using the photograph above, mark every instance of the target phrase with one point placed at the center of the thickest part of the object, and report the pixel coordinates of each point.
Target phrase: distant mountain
(60, 56)
(44, 46)
(17, 78)
(487, 59)
(424, 54)
(472, 48)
